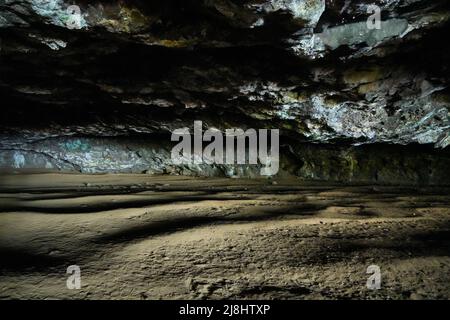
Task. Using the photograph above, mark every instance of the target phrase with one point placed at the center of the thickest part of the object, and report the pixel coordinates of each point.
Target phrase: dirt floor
(144, 237)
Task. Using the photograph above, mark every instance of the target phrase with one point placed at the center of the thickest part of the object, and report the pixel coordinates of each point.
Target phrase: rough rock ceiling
(309, 67)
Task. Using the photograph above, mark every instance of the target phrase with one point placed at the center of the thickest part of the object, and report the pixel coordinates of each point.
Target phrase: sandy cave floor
(143, 237)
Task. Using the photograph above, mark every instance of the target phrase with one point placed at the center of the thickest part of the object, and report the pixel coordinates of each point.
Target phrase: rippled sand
(144, 237)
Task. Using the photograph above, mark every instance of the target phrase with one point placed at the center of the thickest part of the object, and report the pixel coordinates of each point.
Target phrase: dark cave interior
(86, 175)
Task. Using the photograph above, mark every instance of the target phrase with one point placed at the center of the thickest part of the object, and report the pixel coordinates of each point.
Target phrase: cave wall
(352, 104)
(373, 163)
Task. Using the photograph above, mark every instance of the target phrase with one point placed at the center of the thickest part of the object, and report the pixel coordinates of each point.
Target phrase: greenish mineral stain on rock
(76, 145)
(55, 12)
